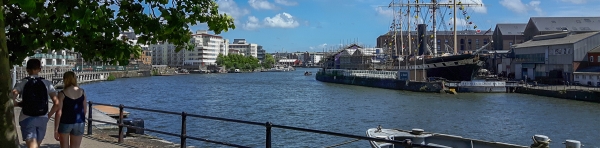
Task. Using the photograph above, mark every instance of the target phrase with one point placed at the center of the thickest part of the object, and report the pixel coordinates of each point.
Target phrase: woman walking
(69, 122)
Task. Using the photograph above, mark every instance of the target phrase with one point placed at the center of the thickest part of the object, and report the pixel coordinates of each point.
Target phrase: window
(591, 59)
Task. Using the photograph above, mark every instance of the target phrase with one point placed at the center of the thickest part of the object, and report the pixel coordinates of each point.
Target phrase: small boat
(436, 140)
(306, 73)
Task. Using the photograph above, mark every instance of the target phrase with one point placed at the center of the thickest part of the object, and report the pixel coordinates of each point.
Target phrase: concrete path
(50, 142)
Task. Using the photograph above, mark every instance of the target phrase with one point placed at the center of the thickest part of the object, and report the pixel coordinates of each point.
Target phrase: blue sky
(314, 25)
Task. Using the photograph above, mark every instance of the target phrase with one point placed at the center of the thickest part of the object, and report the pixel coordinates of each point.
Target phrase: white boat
(424, 139)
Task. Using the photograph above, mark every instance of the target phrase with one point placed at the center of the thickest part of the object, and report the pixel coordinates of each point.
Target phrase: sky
(317, 25)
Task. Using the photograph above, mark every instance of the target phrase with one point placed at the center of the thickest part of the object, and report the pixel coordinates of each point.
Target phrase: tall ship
(421, 55)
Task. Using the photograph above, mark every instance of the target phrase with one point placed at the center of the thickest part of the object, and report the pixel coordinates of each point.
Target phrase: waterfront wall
(130, 74)
(435, 87)
(572, 94)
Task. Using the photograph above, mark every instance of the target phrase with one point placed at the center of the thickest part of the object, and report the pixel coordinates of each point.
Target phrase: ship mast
(454, 27)
(435, 4)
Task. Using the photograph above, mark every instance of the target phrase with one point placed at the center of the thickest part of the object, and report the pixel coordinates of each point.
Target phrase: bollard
(268, 137)
(121, 123)
(89, 122)
(183, 129)
(572, 144)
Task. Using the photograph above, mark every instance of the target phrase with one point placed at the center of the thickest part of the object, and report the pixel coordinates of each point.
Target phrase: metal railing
(183, 134)
(363, 73)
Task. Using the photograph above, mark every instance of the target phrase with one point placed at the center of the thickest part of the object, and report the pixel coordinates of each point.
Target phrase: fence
(183, 136)
(565, 87)
(363, 73)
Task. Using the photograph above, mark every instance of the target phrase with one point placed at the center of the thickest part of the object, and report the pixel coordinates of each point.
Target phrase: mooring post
(89, 120)
(268, 137)
(183, 129)
(121, 123)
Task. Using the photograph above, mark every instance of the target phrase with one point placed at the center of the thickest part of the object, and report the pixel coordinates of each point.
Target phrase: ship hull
(455, 68)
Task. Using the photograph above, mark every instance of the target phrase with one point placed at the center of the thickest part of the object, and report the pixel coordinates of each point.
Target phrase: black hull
(454, 73)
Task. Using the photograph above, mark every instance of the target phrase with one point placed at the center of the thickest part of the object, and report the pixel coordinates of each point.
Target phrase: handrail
(183, 135)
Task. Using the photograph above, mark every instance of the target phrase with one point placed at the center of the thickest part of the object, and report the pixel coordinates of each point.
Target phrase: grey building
(506, 35)
(549, 25)
(260, 53)
(560, 53)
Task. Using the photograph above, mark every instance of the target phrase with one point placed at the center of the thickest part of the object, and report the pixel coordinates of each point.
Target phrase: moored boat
(437, 140)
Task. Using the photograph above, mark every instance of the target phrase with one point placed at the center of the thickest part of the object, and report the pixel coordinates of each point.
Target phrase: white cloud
(286, 2)
(321, 46)
(252, 23)
(230, 8)
(575, 1)
(282, 20)
(519, 7)
(478, 9)
(388, 12)
(459, 22)
(261, 4)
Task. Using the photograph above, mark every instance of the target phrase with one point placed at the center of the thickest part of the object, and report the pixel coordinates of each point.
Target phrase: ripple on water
(293, 99)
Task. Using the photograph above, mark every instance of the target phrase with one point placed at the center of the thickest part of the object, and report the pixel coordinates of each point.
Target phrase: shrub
(111, 77)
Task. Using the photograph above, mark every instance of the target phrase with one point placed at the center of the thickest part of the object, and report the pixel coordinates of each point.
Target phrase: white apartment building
(164, 54)
(242, 47)
(54, 58)
(208, 47)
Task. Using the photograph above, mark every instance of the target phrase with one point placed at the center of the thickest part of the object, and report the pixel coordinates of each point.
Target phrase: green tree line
(269, 61)
(238, 61)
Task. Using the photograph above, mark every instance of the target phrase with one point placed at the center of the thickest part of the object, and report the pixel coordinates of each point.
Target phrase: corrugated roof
(557, 41)
(511, 29)
(570, 23)
(595, 50)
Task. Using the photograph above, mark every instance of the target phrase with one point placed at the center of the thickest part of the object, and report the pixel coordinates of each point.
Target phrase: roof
(511, 29)
(570, 23)
(595, 50)
(569, 39)
(589, 69)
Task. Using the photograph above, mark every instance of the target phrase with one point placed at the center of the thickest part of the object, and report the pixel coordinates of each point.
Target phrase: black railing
(183, 136)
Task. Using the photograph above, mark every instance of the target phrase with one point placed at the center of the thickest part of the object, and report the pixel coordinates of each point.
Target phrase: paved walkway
(50, 142)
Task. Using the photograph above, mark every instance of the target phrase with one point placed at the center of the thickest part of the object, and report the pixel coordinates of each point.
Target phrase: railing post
(268, 137)
(89, 121)
(183, 129)
(121, 123)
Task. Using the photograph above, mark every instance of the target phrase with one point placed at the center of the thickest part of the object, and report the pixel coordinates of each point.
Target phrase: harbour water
(290, 98)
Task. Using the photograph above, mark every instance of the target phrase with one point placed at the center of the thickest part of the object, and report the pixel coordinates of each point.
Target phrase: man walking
(34, 91)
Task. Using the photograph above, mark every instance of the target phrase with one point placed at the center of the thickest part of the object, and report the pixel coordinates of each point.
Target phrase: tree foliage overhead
(238, 61)
(91, 27)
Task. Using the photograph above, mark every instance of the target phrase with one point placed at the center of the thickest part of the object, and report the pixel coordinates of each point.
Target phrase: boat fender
(540, 141)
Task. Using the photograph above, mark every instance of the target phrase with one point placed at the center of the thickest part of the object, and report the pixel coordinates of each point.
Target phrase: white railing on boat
(363, 73)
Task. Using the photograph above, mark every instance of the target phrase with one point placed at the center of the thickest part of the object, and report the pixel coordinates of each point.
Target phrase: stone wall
(129, 74)
(571, 94)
